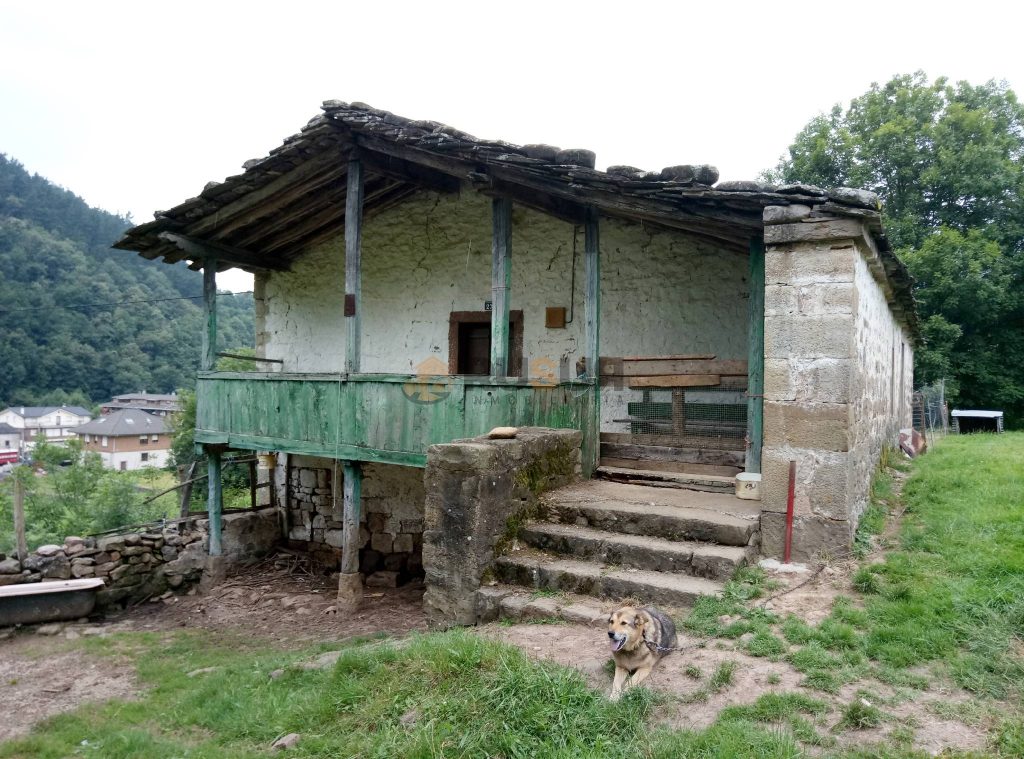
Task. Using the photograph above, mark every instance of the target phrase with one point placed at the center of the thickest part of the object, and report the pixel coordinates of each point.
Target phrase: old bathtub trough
(47, 601)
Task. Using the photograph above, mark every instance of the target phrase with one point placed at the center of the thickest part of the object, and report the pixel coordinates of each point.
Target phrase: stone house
(415, 286)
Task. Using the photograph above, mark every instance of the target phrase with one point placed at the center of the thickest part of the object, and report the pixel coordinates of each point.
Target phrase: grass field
(945, 604)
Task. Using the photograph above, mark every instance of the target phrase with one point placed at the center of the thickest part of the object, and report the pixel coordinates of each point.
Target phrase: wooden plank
(681, 467)
(501, 283)
(353, 264)
(676, 380)
(755, 360)
(203, 249)
(209, 356)
(214, 500)
(660, 448)
(696, 357)
(617, 367)
(352, 486)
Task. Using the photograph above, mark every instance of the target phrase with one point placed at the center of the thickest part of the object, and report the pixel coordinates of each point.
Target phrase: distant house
(159, 404)
(55, 423)
(127, 439)
(10, 438)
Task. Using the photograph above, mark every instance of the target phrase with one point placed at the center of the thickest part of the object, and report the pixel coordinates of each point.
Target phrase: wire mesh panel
(931, 414)
(708, 416)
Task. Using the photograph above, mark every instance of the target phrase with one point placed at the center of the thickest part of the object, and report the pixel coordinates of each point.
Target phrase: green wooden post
(501, 284)
(213, 500)
(353, 264)
(592, 332)
(209, 357)
(352, 472)
(755, 357)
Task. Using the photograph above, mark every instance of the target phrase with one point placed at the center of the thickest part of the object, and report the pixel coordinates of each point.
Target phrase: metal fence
(931, 414)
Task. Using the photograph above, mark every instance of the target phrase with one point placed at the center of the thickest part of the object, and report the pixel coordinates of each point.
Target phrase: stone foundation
(475, 491)
(391, 517)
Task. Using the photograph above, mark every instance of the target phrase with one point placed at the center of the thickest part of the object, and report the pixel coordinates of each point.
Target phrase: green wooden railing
(387, 418)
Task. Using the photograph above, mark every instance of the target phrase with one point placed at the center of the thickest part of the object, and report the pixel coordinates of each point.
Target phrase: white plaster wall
(882, 383)
(661, 292)
(134, 460)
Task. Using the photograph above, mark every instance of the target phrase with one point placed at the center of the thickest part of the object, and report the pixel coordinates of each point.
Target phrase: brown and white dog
(638, 638)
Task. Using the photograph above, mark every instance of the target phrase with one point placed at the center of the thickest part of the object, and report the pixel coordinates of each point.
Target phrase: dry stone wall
(391, 517)
(137, 565)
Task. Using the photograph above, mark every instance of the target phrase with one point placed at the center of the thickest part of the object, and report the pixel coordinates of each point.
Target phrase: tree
(948, 162)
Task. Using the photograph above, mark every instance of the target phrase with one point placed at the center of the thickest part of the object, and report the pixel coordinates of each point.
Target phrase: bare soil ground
(39, 678)
(40, 675)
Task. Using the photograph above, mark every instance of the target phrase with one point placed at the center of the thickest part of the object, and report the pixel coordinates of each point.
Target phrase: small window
(143, 439)
(103, 442)
(87, 439)
(153, 438)
(145, 456)
(124, 466)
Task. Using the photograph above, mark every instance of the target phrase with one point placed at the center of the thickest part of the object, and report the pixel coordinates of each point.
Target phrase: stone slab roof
(295, 196)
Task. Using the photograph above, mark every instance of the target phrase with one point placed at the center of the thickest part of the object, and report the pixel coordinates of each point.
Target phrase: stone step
(592, 579)
(660, 520)
(655, 478)
(513, 602)
(716, 562)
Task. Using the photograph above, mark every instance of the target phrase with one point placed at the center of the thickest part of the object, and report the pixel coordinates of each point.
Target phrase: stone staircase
(627, 536)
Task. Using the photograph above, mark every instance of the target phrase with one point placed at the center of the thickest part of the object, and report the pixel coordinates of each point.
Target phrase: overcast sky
(136, 105)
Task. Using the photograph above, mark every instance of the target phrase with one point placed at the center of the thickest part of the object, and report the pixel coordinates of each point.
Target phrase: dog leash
(655, 648)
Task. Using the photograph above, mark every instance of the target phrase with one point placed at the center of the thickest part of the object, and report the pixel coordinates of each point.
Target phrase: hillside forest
(82, 322)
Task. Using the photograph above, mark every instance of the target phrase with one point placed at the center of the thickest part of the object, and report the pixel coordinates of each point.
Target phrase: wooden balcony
(387, 418)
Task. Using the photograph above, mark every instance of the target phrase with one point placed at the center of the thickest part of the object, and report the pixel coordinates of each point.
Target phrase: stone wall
(475, 490)
(830, 400)
(391, 518)
(137, 565)
(662, 292)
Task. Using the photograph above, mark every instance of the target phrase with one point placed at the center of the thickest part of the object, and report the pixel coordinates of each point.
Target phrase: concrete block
(785, 214)
(780, 300)
(402, 543)
(382, 542)
(826, 298)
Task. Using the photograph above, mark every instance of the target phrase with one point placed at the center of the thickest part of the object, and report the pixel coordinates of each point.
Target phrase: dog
(638, 639)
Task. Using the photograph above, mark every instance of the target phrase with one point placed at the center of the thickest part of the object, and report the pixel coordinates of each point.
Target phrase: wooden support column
(20, 542)
(209, 357)
(501, 284)
(214, 499)
(755, 357)
(592, 332)
(350, 582)
(353, 264)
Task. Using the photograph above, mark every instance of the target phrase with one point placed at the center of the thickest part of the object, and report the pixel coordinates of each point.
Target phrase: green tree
(948, 162)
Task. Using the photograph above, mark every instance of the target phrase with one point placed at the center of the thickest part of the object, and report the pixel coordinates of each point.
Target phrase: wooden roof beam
(229, 254)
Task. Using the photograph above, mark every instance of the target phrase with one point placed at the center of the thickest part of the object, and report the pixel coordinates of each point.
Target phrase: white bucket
(748, 486)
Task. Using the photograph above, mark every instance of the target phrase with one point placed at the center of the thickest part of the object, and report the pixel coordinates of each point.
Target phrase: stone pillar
(475, 490)
(810, 361)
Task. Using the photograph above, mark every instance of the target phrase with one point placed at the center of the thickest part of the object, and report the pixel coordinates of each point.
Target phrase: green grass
(467, 696)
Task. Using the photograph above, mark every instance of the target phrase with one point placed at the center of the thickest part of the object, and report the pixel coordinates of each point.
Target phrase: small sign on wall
(488, 305)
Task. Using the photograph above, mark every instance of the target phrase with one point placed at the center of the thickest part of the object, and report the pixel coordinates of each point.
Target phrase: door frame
(515, 348)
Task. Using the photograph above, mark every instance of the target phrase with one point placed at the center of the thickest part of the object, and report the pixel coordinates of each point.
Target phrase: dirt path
(42, 676)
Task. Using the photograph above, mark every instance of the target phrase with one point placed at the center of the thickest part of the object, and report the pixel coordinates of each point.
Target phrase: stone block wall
(391, 517)
(475, 489)
(829, 403)
(137, 565)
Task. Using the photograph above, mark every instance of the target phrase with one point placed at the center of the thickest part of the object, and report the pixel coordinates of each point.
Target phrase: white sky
(136, 105)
